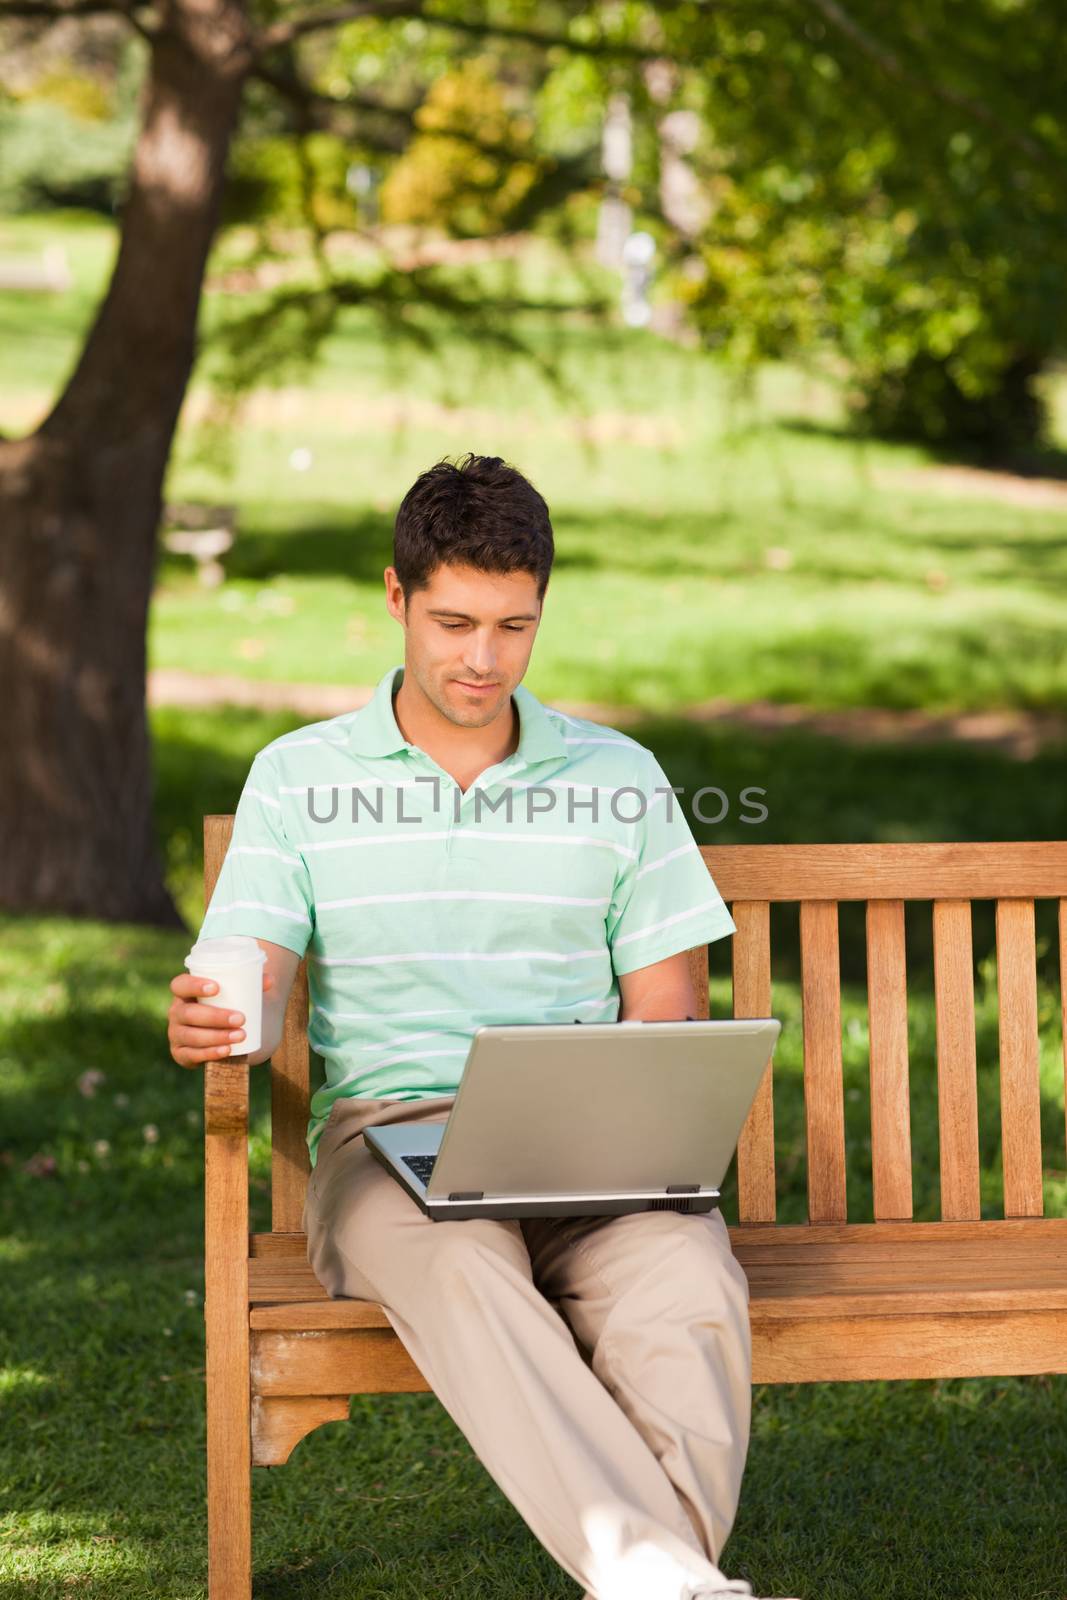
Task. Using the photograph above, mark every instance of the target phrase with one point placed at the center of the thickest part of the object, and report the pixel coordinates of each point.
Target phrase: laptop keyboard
(421, 1166)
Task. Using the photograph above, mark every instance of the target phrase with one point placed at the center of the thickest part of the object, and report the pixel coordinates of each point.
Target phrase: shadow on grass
(315, 542)
(834, 542)
(908, 559)
(1038, 461)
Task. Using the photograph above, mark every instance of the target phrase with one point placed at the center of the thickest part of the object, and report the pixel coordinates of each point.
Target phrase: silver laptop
(555, 1120)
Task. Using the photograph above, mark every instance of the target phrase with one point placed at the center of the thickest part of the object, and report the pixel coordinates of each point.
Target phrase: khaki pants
(600, 1367)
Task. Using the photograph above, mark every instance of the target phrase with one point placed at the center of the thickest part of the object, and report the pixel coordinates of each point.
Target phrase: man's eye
(452, 625)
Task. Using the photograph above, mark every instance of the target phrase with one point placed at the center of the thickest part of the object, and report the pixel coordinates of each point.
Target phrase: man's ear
(396, 607)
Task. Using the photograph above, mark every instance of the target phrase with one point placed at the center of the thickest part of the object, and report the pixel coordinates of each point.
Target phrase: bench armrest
(226, 1099)
(226, 1186)
(228, 1398)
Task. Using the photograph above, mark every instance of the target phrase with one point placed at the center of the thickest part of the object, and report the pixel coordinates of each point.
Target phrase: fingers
(191, 1047)
(206, 1038)
(190, 1014)
(199, 1031)
(187, 986)
(186, 1057)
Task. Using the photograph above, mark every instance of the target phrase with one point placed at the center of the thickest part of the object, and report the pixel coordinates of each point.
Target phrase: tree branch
(554, 177)
(62, 10)
(59, 10)
(283, 33)
(287, 32)
(325, 111)
(261, 342)
(545, 41)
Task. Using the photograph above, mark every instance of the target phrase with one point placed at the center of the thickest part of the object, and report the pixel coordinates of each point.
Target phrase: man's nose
(480, 656)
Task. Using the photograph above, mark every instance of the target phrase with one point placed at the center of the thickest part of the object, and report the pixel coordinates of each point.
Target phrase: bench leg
(229, 1421)
(229, 1491)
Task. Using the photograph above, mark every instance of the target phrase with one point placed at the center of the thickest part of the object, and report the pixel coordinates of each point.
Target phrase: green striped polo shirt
(426, 912)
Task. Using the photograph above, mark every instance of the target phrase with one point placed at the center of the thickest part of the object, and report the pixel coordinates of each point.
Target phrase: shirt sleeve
(264, 888)
(665, 899)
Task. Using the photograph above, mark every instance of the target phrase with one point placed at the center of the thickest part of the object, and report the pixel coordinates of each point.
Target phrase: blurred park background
(768, 301)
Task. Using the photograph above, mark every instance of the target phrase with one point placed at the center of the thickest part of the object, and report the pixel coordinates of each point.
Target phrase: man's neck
(464, 753)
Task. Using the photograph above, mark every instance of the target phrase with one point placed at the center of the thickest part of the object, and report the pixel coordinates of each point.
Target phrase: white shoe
(701, 1591)
(733, 1586)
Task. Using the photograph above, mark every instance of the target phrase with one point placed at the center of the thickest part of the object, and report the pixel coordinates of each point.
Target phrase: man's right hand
(198, 1031)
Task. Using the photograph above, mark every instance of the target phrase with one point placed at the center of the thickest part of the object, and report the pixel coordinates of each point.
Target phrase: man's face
(467, 629)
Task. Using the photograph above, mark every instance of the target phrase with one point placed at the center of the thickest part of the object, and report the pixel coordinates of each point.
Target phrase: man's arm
(282, 965)
(662, 992)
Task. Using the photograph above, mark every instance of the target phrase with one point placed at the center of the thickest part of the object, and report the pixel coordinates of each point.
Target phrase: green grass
(922, 1490)
(676, 510)
(662, 594)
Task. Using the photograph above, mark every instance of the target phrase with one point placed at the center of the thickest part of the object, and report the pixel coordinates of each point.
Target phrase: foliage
(381, 127)
(444, 179)
(52, 155)
(886, 186)
(888, 198)
(291, 181)
(941, 339)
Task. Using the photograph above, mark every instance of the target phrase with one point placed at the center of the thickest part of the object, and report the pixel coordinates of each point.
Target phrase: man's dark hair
(476, 512)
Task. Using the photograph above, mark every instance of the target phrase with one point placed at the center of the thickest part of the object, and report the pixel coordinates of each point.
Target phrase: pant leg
(461, 1298)
(661, 1305)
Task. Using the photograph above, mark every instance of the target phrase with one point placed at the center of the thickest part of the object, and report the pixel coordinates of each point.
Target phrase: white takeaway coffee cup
(235, 963)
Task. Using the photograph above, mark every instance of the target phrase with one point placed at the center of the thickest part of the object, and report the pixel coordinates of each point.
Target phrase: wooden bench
(830, 1299)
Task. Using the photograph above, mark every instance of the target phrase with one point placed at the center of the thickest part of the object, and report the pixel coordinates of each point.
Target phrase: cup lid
(235, 949)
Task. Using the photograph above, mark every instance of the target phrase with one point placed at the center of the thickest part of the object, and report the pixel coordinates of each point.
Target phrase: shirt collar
(374, 731)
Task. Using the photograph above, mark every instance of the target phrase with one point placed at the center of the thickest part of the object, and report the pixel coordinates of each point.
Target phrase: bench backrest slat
(824, 1098)
(957, 1061)
(752, 998)
(290, 1091)
(1062, 929)
(957, 1068)
(887, 1017)
(698, 971)
(1020, 1085)
(217, 831)
(788, 873)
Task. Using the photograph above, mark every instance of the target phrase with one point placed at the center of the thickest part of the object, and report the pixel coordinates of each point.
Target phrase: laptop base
(519, 1206)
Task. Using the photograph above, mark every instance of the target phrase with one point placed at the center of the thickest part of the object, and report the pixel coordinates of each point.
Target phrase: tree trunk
(80, 502)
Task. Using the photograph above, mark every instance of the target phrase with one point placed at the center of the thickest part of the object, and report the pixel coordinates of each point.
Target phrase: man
(456, 853)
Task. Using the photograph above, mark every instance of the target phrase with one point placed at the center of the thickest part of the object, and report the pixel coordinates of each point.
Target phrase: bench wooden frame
(892, 1298)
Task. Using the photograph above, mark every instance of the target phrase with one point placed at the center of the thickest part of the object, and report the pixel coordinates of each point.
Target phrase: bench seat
(859, 1301)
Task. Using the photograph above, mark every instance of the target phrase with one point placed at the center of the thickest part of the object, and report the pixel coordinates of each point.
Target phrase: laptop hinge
(683, 1188)
(467, 1194)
